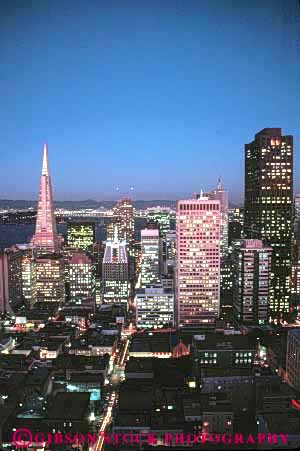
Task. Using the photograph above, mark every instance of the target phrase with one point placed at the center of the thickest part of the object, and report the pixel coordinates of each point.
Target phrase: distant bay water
(21, 233)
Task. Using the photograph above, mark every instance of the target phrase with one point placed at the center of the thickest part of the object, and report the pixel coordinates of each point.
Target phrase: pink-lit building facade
(198, 261)
(45, 238)
(4, 287)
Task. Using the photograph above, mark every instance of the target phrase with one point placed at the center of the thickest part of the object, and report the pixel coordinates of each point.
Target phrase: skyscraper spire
(45, 237)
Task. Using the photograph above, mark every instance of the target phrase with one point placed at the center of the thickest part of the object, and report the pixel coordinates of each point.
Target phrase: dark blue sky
(157, 94)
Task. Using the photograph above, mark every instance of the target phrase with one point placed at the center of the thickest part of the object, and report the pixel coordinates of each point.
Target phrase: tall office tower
(97, 253)
(198, 261)
(115, 272)
(293, 358)
(235, 226)
(28, 254)
(81, 277)
(268, 206)
(251, 282)
(154, 307)
(151, 257)
(15, 275)
(222, 195)
(296, 217)
(295, 273)
(81, 235)
(226, 281)
(48, 279)
(45, 238)
(295, 266)
(4, 295)
(161, 217)
(14, 268)
(123, 218)
(170, 252)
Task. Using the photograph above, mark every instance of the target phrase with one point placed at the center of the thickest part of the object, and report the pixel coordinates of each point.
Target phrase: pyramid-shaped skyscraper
(45, 238)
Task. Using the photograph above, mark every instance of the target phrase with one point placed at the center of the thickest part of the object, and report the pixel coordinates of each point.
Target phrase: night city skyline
(125, 95)
(149, 225)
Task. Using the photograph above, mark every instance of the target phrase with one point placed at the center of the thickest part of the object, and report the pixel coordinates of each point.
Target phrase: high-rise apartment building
(251, 282)
(81, 235)
(45, 238)
(48, 279)
(115, 272)
(269, 205)
(150, 257)
(198, 261)
(81, 277)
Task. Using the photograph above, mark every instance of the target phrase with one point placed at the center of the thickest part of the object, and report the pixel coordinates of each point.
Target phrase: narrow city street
(111, 390)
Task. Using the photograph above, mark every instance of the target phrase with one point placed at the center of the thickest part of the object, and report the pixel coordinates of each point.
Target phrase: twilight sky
(161, 95)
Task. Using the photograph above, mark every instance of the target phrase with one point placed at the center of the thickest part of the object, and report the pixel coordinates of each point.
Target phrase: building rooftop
(218, 341)
(38, 376)
(11, 383)
(70, 406)
(151, 233)
(79, 362)
(14, 362)
(115, 252)
(80, 258)
(148, 342)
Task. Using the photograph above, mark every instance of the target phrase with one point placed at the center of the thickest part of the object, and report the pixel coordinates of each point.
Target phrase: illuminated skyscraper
(97, 253)
(154, 307)
(161, 217)
(45, 238)
(16, 276)
(235, 226)
(251, 282)
(115, 271)
(268, 206)
(123, 219)
(170, 252)
(28, 253)
(48, 280)
(14, 267)
(222, 195)
(296, 216)
(81, 235)
(151, 257)
(198, 261)
(4, 295)
(81, 277)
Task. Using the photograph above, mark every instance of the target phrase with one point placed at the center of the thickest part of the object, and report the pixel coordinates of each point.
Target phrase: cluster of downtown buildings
(220, 269)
